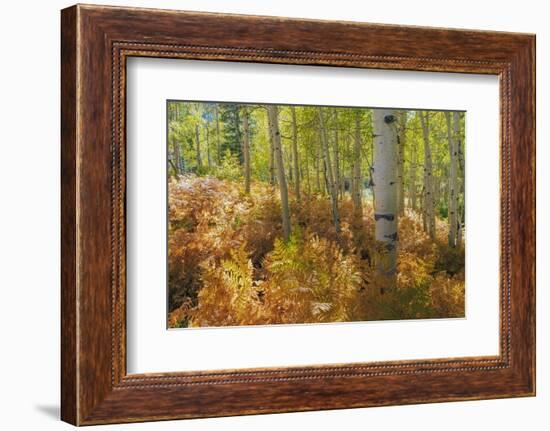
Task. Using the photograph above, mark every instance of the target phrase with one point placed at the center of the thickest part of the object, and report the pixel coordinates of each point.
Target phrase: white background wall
(29, 215)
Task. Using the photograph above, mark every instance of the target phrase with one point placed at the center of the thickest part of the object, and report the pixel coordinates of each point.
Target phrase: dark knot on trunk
(388, 119)
(389, 217)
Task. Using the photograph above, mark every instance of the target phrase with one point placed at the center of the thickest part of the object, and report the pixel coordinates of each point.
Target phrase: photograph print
(297, 214)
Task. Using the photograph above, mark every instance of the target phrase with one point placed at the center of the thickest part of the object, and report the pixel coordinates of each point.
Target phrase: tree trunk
(333, 191)
(459, 230)
(436, 188)
(357, 189)
(412, 177)
(428, 199)
(401, 162)
(308, 180)
(271, 157)
(460, 161)
(453, 189)
(385, 203)
(337, 179)
(239, 141)
(176, 156)
(290, 163)
(246, 152)
(295, 155)
(345, 154)
(423, 207)
(272, 112)
(326, 190)
(208, 157)
(218, 146)
(318, 165)
(198, 146)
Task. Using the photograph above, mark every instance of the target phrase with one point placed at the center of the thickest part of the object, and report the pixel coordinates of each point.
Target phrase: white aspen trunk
(357, 189)
(459, 230)
(337, 179)
(271, 158)
(385, 186)
(436, 188)
(412, 177)
(218, 146)
(177, 157)
(445, 189)
(246, 152)
(198, 146)
(422, 206)
(401, 162)
(209, 158)
(275, 134)
(453, 190)
(289, 161)
(318, 162)
(345, 153)
(459, 187)
(428, 199)
(295, 155)
(333, 191)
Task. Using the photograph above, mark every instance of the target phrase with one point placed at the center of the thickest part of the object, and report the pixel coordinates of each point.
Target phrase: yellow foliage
(309, 279)
(228, 265)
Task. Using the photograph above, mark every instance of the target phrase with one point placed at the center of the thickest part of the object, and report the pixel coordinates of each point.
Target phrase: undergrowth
(228, 265)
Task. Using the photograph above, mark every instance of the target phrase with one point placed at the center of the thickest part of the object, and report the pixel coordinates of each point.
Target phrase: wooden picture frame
(95, 43)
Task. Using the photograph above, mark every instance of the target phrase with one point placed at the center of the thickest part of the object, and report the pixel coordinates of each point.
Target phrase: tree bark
(345, 155)
(428, 198)
(401, 162)
(385, 203)
(333, 191)
(208, 156)
(460, 160)
(198, 146)
(337, 179)
(357, 189)
(453, 189)
(218, 146)
(275, 134)
(177, 156)
(412, 177)
(308, 180)
(295, 155)
(271, 157)
(246, 152)
(436, 188)
(318, 165)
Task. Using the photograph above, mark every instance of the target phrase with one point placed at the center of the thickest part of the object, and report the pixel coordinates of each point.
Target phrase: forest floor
(228, 264)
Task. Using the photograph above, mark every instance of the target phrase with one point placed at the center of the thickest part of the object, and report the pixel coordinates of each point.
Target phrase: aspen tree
(208, 156)
(460, 161)
(428, 197)
(176, 156)
(273, 118)
(357, 189)
(401, 162)
(295, 154)
(218, 146)
(453, 189)
(412, 176)
(336, 154)
(333, 191)
(385, 185)
(246, 151)
(198, 145)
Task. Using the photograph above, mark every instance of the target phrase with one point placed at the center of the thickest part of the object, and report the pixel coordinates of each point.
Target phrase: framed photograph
(264, 214)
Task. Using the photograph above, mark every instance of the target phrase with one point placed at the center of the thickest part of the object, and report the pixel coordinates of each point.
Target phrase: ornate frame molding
(96, 41)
